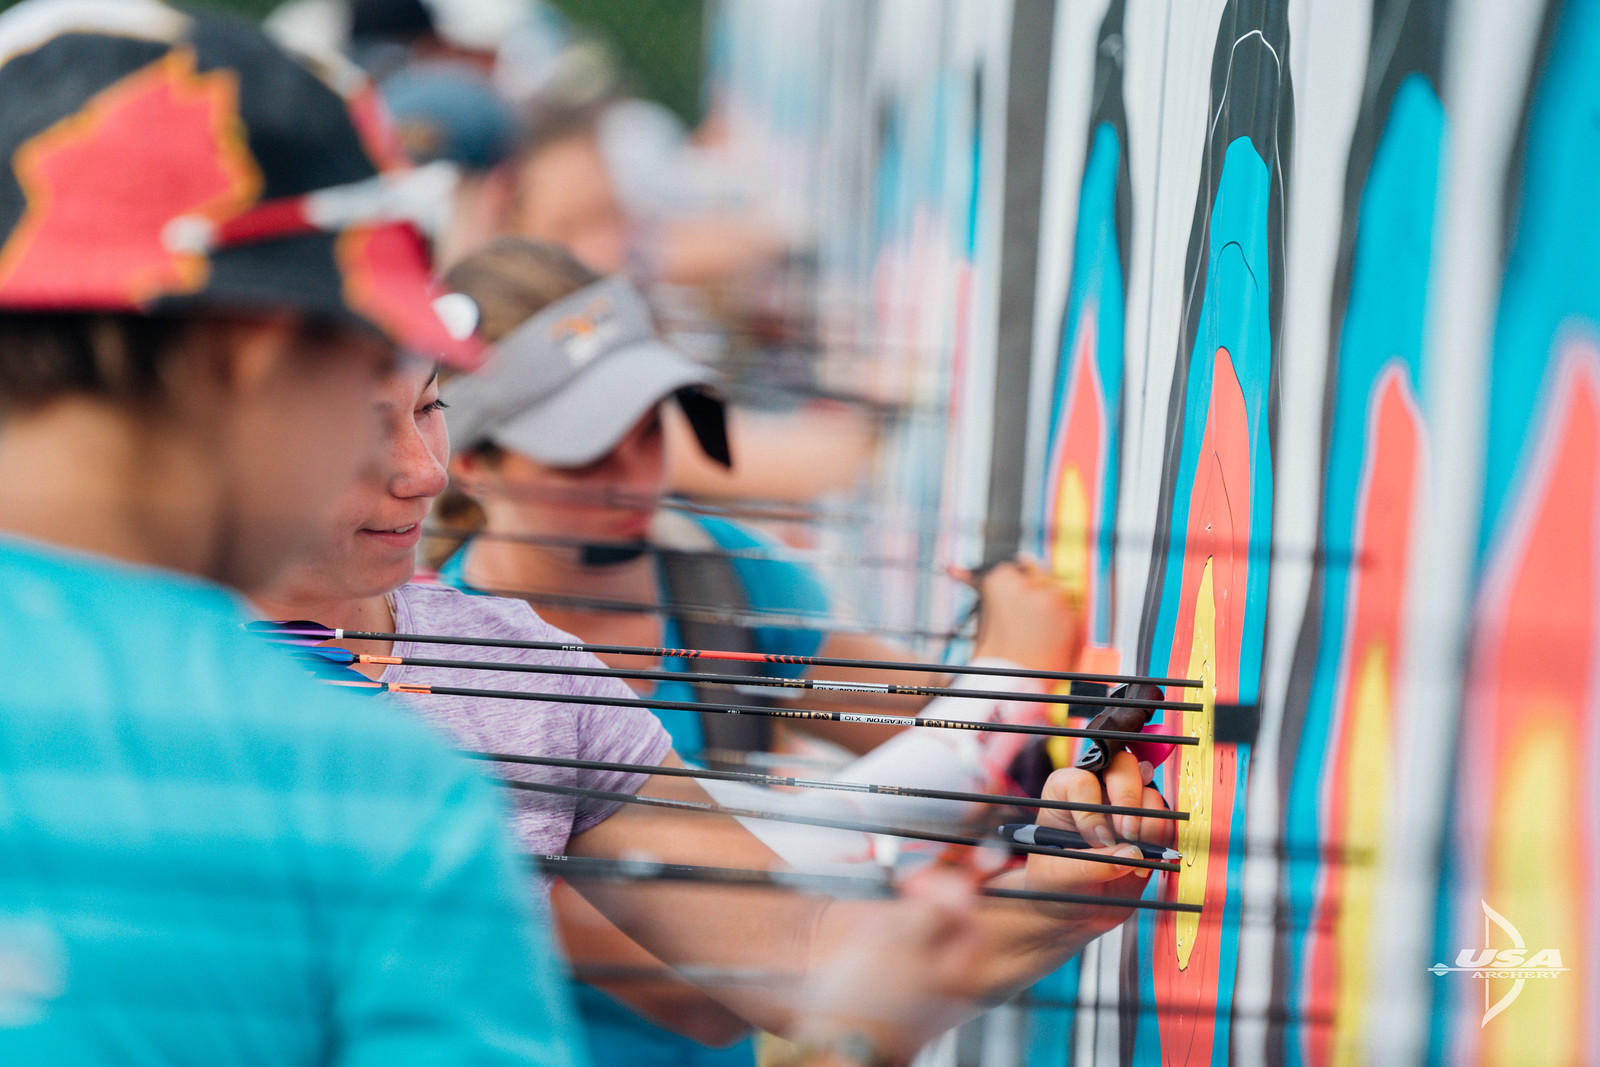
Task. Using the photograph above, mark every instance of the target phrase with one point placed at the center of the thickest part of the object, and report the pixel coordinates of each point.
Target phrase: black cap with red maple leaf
(166, 162)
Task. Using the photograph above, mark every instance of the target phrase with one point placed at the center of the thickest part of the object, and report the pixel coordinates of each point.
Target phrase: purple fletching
(296, 632)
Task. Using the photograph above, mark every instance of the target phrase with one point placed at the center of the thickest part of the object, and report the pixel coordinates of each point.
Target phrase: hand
(1026, 616)
(1124, 782)
(894, 981)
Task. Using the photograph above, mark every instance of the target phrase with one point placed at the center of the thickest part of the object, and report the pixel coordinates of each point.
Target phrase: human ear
(250, 355)
(221, 367)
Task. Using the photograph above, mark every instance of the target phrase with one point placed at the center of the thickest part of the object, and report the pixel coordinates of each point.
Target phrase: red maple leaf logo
(102, 184)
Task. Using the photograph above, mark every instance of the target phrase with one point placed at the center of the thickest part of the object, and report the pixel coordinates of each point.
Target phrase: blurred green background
(661, 41)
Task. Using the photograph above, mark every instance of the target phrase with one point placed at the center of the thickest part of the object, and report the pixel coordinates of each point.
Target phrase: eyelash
(429, 409)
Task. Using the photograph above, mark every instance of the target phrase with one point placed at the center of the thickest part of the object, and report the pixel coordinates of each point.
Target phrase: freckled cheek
(357, 506)
(319, 463)
(437, 438)
(351, 443)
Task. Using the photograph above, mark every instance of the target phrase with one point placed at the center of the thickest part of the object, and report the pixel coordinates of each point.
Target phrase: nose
(415, 470)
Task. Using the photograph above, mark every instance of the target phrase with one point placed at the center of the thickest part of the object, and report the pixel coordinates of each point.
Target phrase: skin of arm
(590, 940)
(885, 983)
(727, 927)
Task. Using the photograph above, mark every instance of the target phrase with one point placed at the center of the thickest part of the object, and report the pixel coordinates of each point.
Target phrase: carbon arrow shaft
(827, 783)
(813, 684)
(581, 868)
(924, 721)
(574, 868)
(832, 824)
(310, 631)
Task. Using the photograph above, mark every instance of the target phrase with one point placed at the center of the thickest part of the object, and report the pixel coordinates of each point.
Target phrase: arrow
(832, 824)
(306, 632)
(827, 783)
(785, 511)
(601, 869)
(356, 681)
(345, 658)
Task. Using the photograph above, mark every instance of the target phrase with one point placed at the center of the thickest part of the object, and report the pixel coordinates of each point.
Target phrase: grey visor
(566, 386)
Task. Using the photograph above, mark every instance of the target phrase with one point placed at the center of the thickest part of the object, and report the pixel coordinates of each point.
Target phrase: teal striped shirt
(206, 858)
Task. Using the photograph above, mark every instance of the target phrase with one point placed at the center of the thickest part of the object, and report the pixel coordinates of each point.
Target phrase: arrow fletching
(332, 666)
(294, 632)
(325, 655)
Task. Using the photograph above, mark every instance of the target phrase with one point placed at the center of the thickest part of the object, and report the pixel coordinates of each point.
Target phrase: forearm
(783, 935)
(606, 958)
(702, 925)
(1029, 941)
(767, 936)
(1021, 943)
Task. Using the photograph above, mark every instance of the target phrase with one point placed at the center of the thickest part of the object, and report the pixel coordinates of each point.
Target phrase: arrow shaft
(595, 868)
(579, 867)
(804, 557)
(752, 778)
(850, 825)
(924, 721)
(783, 683)
(755, 657)
(586, 867)
(811, 514)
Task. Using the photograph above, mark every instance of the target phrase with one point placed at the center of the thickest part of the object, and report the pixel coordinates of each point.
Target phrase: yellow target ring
(1195, 773)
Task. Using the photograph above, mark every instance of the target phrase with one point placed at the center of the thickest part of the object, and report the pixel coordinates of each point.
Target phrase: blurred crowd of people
(533, 120)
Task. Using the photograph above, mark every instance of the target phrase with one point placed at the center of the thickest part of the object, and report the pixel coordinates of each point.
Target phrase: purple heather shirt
(543, 821)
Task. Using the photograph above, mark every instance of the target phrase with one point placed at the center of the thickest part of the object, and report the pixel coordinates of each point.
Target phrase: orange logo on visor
(581, 336)
(102, 184)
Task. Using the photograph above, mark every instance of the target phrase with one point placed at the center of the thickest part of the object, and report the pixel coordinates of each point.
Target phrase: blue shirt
(206, 858)
(619, 1035)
